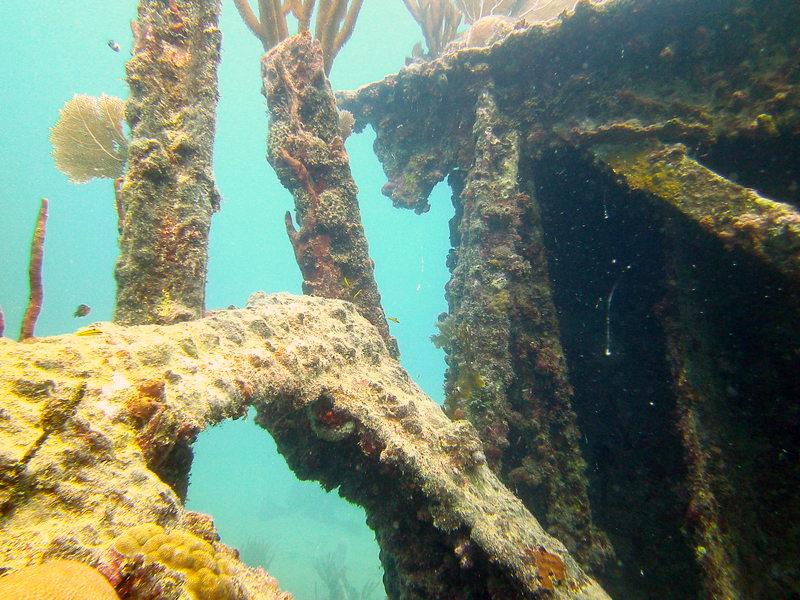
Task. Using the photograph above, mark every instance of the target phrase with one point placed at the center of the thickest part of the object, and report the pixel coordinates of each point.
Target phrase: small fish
(90, 330)
(82, 310)
(346, 282)
(394, 320)
(357, 294)
(113, 45)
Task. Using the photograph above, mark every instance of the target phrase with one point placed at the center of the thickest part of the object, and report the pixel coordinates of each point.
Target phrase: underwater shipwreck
(650, 142)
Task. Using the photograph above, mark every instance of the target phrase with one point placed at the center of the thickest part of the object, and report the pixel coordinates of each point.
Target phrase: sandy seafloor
(53, 49)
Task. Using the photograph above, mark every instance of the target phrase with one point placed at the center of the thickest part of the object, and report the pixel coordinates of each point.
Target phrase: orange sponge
(56, 580)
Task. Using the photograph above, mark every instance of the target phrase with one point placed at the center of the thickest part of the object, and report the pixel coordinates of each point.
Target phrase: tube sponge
(56, 580)
(207, 572)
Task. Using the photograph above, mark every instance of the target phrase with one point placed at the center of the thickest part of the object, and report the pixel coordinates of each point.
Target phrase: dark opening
(606, 264)
(769, 168)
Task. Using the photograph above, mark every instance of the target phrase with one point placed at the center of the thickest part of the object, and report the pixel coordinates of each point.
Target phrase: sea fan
(474, 10)
(88, 140)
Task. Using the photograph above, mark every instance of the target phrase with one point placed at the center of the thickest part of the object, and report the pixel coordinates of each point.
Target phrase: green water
(51, 50)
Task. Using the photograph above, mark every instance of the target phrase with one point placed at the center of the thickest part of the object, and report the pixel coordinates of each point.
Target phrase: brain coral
(207, 572)
(56, 580)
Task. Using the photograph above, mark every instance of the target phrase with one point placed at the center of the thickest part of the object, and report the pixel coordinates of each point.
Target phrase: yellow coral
(57, 580)
(207, 571)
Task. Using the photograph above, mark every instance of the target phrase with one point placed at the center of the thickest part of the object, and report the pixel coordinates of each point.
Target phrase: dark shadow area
(741, 355)
(623, 266)
(771, 168)
(176, 468)
(606, 262)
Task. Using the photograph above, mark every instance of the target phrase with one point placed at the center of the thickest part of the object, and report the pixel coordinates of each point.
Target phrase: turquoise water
(53, 49)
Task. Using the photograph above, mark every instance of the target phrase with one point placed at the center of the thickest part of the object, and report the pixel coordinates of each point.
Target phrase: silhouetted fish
(113, 45)
(82, 310)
